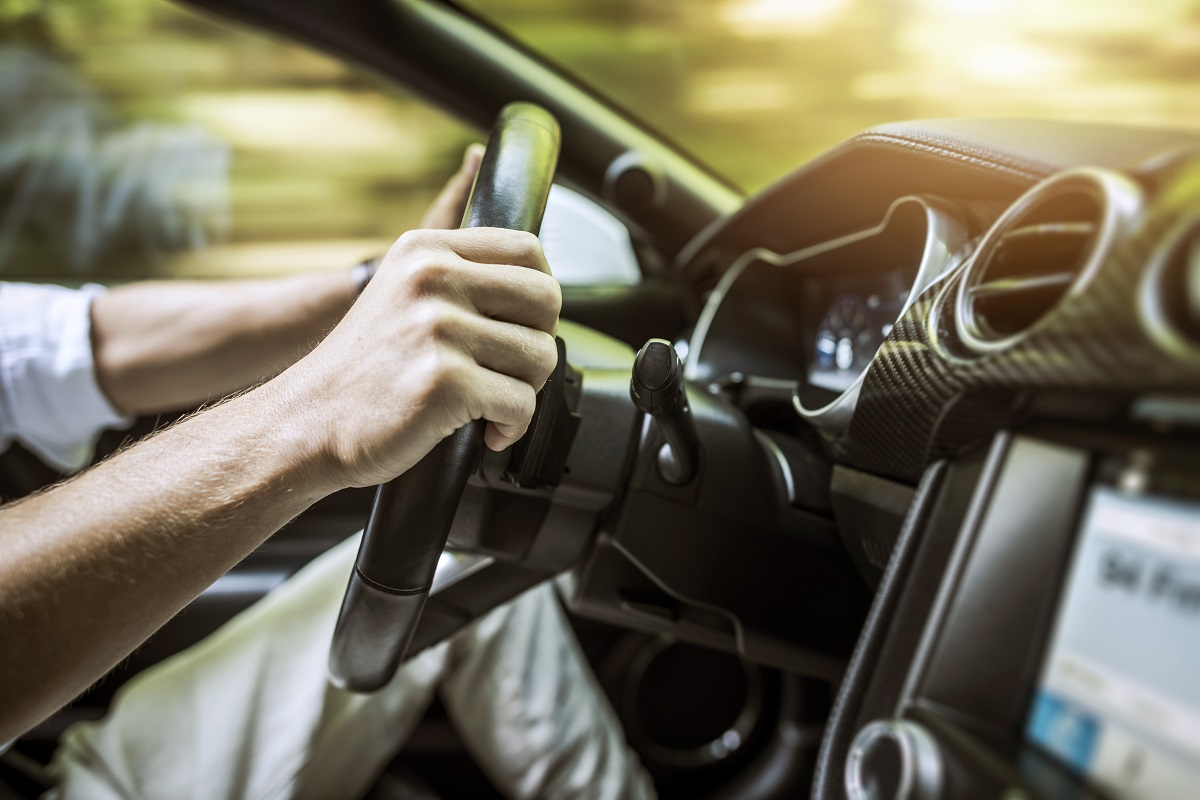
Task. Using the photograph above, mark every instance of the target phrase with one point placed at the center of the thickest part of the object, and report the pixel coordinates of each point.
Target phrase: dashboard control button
(893, 760)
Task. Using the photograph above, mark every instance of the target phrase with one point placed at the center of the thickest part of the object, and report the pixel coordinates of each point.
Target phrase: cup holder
(686, 707)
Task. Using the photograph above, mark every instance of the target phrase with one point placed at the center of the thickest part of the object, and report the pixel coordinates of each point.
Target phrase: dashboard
(1015, 355)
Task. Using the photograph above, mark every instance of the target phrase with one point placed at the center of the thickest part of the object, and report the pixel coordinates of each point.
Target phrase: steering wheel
(412, 515)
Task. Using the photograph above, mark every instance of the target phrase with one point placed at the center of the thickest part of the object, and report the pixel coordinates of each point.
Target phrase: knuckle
(437, 323)
(429, 328)
(543, 294)
(428, 275)
(409, 242)
(526, 404)
(443, 375)
(554, 298)
(547, 354)
(528, 242)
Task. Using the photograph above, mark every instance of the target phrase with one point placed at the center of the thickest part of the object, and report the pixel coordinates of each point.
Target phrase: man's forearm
(96, 565)
(165, 346)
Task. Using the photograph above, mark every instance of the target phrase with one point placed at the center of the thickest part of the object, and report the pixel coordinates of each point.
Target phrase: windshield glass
(754, 87)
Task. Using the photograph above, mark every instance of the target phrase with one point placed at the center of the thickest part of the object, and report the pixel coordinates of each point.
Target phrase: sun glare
(1013, 64)
(759, 18)
(970, 7)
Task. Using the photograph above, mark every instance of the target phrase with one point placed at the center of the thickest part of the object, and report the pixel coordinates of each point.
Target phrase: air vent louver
(1030, 266)
(1036, 253)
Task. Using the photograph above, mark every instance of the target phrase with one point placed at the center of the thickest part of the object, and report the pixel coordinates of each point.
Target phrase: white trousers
(248, 713)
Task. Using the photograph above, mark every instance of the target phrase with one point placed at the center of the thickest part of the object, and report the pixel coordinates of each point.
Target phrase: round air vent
(1170, 292)
(1049, 243)
(1181, 284)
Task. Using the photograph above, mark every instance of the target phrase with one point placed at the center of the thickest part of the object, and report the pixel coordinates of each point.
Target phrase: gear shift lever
(657, 388)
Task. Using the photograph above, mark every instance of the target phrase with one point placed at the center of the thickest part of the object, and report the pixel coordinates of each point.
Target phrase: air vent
(1048, 242)
(1170, 292)
(1180, 288)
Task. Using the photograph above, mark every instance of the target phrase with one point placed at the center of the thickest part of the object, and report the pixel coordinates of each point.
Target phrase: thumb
(472, 158)
(447, 209)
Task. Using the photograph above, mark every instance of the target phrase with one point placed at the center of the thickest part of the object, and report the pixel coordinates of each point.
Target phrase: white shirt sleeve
(49, 398)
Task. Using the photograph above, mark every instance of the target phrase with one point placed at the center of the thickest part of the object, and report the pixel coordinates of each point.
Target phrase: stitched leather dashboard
(982, 164)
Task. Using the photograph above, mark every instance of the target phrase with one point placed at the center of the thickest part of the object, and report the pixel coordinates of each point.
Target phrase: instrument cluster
(859, 312)
(816, 317)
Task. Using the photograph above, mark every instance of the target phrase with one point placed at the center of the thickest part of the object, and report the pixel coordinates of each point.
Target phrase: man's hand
(456, 326)
(446, 211)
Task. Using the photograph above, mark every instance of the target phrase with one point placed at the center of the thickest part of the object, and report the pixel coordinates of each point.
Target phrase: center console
(1039, 640)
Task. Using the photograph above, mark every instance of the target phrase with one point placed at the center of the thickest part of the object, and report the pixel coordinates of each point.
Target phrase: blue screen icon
(1068, 731)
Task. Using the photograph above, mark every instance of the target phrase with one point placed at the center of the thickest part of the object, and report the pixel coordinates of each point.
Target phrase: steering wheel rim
(412, 514)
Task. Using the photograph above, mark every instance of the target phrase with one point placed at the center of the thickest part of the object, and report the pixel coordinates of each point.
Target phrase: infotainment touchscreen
(1118, 699)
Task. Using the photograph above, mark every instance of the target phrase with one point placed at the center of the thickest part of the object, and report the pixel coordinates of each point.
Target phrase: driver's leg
(248, 713)
(530, 709)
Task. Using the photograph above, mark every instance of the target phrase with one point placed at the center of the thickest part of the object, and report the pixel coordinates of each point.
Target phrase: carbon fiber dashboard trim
(924, 397)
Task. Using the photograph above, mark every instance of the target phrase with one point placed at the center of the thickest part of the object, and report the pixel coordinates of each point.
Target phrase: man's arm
(163, 346)
(455, 326)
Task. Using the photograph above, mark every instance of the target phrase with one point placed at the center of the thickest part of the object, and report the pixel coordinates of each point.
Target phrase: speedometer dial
(847, 339)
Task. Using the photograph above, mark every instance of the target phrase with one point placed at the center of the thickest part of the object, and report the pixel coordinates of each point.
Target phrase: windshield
(754, 87)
